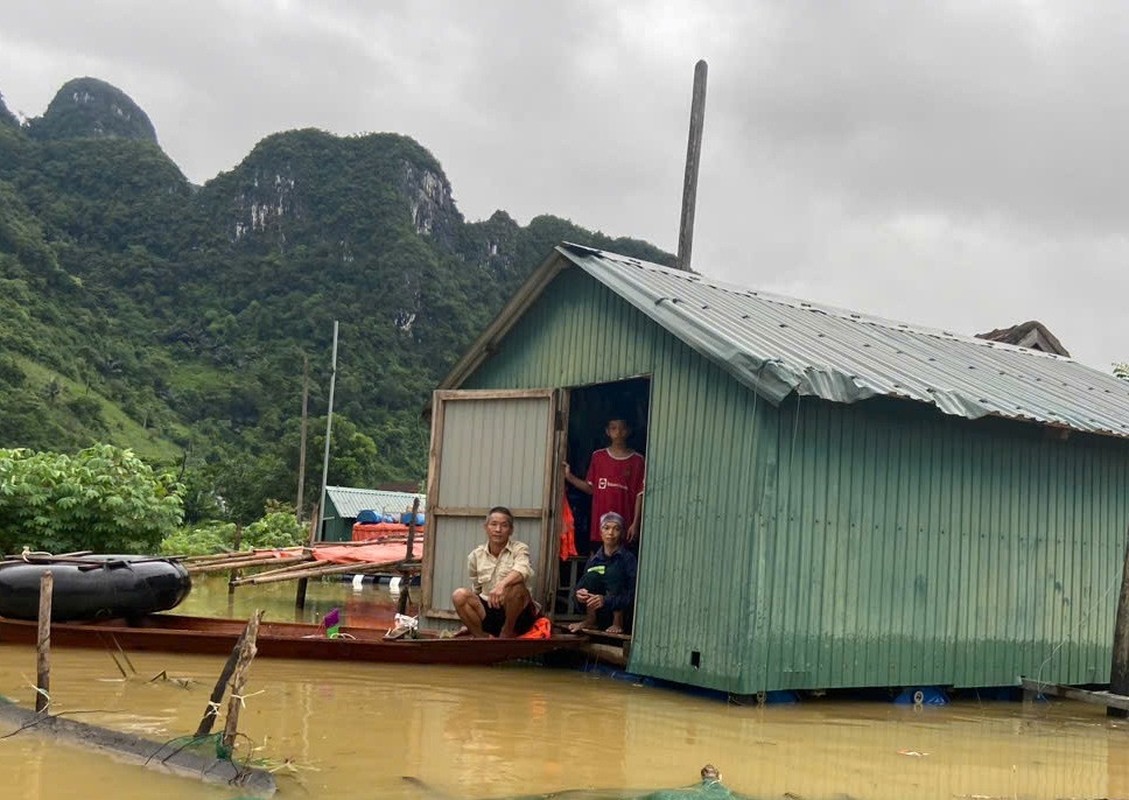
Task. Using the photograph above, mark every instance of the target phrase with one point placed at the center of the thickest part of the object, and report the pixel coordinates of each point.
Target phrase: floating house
(832, 500)
(344, 504)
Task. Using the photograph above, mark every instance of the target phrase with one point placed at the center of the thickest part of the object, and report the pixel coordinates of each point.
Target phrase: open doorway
(589, 410)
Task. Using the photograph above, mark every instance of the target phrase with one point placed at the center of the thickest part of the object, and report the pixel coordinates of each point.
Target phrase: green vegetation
(139, 310)
(278, 528)
(103, 499)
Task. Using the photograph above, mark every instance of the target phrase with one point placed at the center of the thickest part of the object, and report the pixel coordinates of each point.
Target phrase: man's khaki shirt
(486, 570)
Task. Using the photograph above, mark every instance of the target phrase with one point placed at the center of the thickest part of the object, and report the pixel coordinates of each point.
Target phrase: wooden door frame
(550, 545)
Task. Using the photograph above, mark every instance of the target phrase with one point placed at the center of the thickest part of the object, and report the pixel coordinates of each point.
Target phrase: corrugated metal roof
(777, 345)
(350, 502)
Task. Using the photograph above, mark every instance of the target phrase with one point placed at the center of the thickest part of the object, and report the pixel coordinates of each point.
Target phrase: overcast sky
(959, 165)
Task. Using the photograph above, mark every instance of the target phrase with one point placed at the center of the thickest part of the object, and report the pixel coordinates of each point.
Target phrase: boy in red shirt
(615, 480)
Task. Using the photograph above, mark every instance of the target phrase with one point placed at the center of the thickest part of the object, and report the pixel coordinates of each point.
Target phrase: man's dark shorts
(496, 618)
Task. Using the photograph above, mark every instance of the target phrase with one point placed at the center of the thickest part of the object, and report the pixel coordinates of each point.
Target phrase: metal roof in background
(350, 502)
(777, 345)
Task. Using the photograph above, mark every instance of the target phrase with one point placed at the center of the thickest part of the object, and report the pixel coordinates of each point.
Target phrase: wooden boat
(171, 633)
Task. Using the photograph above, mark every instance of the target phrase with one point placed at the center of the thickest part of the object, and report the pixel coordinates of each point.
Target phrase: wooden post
(239, 679)
(235, 573)
(410, 555)
(693, 158)
(213, 709)
(1119, 666)
(43, 645)
(300, 592)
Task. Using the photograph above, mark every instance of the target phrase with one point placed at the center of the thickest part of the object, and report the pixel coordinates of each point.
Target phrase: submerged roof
(350, 502)
(777, 345)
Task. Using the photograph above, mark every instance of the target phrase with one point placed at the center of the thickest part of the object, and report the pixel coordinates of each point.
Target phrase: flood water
(352, 731)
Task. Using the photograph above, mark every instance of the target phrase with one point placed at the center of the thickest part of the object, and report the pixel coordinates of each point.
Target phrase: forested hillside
(139, 310)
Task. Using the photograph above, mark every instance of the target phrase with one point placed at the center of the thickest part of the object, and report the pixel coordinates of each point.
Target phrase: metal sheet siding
(580, 333)
(911, 549)
(702, 496)
(777, 345)
(697, 603)
(460, 536)
(817, 545)
(494, 449)
(493, 453)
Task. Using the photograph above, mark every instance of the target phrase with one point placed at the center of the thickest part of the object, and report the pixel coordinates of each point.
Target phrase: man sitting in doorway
(607, 588)
(615, 479)
(498, 602)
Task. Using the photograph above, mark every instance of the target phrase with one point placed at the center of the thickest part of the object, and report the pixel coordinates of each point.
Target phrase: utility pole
(693, 158)
(302, 446)
(315, 529)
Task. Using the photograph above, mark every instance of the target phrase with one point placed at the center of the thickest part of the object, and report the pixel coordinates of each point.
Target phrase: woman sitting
(607, 588)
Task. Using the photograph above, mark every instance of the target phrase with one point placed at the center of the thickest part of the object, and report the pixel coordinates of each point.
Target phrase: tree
(103, 499)
(1122, 370)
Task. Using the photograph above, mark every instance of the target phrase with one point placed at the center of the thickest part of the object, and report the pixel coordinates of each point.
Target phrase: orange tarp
(363, 531)
(375, 553)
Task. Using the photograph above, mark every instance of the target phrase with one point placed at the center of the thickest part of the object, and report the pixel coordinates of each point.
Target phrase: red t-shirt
(615, 484)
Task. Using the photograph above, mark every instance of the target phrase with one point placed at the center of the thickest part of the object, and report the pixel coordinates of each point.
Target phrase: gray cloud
(953, 164)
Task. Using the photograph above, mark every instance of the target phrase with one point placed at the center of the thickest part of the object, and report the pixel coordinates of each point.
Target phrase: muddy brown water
(352, 731)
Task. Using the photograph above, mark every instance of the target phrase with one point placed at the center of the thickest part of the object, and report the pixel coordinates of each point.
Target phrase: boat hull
(99, 587)
(172, 633)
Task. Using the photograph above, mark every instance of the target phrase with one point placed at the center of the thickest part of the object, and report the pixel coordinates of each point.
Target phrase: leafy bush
(103, 499)
(276, 529)
(201, 540)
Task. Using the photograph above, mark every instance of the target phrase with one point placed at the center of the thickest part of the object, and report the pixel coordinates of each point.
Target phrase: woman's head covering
(611, 516)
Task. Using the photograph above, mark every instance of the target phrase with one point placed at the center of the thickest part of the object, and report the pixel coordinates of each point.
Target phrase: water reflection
(368, 605)
(347, 731)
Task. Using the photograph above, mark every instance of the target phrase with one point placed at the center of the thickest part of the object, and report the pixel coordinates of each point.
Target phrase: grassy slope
(124, 431)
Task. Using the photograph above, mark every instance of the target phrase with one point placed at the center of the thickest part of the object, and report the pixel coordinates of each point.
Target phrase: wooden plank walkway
(1107, 699)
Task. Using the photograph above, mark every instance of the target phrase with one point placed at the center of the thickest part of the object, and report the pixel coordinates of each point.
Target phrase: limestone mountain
(87, 108)
(7, 117)
(137, 309)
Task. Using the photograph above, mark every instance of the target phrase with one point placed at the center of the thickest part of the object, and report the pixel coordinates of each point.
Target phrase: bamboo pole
(247, 563)
(235, 555)
(360, 568)
(206, 559)
(43, 644)
(239, 679)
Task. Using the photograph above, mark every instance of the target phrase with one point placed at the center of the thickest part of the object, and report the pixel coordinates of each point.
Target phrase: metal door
(490, 448)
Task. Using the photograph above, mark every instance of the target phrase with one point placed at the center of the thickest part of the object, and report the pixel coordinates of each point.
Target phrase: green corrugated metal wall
(334, 527)
(820, 545)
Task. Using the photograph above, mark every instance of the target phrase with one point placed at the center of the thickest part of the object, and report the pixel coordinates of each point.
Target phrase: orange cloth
(542, 629)
(568, 531)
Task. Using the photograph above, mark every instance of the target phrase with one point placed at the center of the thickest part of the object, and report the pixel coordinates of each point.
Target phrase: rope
(243, 697)
(1114, 581)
